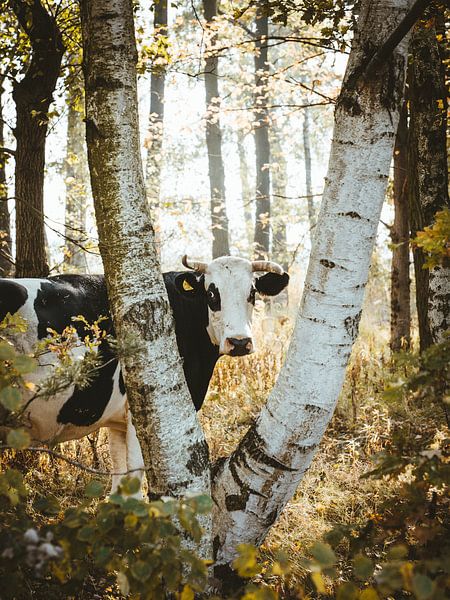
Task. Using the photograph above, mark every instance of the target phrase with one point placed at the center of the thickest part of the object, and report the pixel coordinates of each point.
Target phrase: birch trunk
(172, 442)
(32, 97)
(253, 485)
(153, 165)
(6, 262)
(247, 196)
(262, 144)
(76, 182)
(400, 300)
(219, 220)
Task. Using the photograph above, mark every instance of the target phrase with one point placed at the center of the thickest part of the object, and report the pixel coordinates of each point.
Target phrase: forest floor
(333, 490)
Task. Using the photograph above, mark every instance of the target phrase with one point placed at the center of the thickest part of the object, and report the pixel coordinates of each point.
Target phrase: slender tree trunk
(219, 220)
(279, 213)
(154, 160)
(307, 151)
(76, 182)
(247, 195)
(172, 441)
(262, 144)
(33, 96)
(6, 262)
(428, 189)
(254, 484)
(400, 300)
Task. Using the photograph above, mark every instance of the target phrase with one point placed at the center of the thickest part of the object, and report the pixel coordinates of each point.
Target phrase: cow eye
(213, 298)
(251, 296)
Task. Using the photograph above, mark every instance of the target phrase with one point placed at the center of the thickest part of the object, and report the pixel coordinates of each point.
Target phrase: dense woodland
(309, 138)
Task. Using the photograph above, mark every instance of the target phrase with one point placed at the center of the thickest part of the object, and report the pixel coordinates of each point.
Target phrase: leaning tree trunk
(400, 297)
(6, 262)
(254, 484)
(428, 191)
(153, 165)
(219, 220)
(33, 96)
(172, 441)
(262, 144)
(76, 181)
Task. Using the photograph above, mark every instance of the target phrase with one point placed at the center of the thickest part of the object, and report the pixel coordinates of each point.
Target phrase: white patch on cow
(233, 277)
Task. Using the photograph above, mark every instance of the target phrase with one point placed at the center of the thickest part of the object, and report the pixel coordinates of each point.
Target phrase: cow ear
(271, 284)
(190, 285)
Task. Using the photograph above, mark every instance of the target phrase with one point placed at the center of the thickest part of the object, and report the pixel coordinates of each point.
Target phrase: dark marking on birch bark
(150, 312)
(352, 325)
(315, 290)
(199, 453)
(329, 264)
(217, 467)
(253, 445)
(216, 546)
(235, 502)
(352, 214)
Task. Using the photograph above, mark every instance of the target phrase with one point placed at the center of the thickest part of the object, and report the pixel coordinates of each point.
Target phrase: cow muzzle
(238, 346)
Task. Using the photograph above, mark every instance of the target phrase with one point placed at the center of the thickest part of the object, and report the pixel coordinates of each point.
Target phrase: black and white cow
(212, 306)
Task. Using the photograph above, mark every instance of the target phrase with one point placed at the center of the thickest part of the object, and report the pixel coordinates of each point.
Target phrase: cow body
(73, 413)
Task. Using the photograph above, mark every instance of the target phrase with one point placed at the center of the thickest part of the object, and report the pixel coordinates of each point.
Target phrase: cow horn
(268, 266)
(200, 267)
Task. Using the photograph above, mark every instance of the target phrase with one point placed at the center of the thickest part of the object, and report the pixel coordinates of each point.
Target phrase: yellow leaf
(368, 594)
(318, 582)
(187, 593)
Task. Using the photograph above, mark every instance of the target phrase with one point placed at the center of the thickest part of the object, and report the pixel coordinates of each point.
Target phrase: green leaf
(86, 533)
(123, 583)
(25, 364)
(7, 351)
(422, 586)
(130, 485)
(397, 552)
(141, 570)
(362, 567)
(10, 397)
(368, 594)
(94, 489)
(347, 591)
(18, 439)
(324, 554)
(247, 562)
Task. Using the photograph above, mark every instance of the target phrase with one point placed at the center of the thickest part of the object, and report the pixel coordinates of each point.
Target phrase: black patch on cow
(271, 284)
(12, 297)
(252, 296)
(213, 298)
(87, 405)
(190, 285)
(122, 388)
(199, 458)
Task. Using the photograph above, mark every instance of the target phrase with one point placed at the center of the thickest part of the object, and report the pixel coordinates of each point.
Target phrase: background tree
(33, 95)
(6, 262)
(219, 221)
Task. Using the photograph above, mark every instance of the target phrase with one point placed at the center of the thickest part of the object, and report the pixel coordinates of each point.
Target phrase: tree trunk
(219, 220)
(247, 196)
(76, 182)
(428, 189)
(254, 484)
(172, 441)
(262, 145)
(153, 164)
(6, 262)
(309, 191)
(279, 210)
(400, 301)
(32, 96)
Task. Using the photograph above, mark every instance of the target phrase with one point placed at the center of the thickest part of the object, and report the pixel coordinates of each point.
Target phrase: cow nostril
(240, 346)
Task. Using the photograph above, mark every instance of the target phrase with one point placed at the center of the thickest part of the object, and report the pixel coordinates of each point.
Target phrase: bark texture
(76, 181)
(6, 262)
(247, 194)
(253, 485)
(428, 189)
(262, 144)
(400, 300)
(32, 96)
(219, 221)
(174, 449)
(153, 165)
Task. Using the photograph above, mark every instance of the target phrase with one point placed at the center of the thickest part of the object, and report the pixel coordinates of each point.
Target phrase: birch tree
(253, 485)
(172, 442)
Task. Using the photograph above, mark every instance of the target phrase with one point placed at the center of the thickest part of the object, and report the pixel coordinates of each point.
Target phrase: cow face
(230, 288)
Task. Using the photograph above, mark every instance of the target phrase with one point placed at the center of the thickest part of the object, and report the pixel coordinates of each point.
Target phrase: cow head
(230, 288)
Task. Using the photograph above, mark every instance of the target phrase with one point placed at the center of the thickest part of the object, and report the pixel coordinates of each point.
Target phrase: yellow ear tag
(187, 287)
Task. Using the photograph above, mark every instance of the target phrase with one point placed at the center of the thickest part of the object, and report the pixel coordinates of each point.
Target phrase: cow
(212, 305)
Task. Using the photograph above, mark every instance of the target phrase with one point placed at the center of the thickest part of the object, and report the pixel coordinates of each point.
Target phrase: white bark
(254, 484)
(173, 445)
